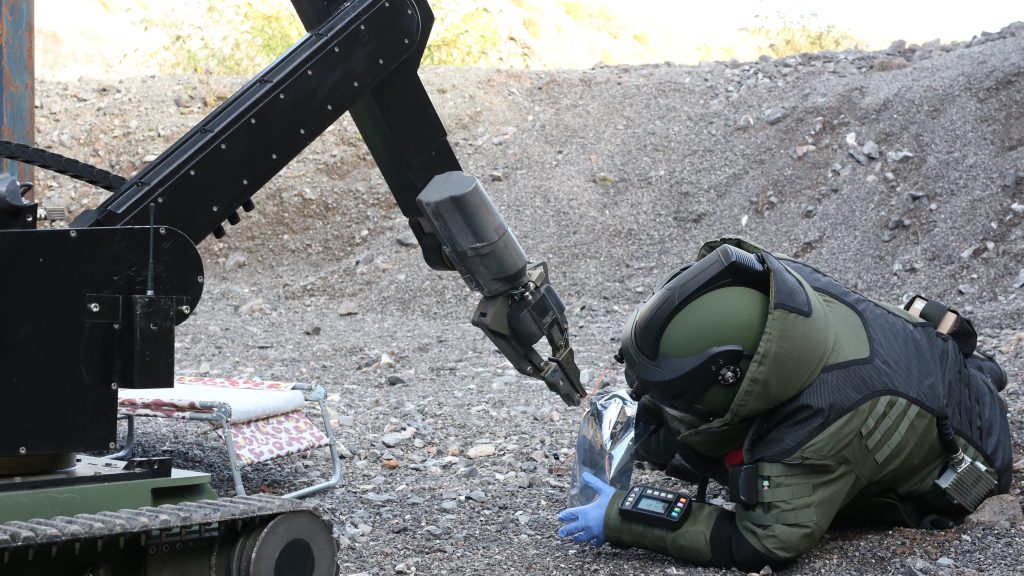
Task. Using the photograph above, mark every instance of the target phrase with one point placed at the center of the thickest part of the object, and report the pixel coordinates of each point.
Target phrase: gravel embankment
(899, 172)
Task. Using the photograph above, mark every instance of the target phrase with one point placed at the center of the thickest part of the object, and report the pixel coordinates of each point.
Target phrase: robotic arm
(360, 56)
(519, 305)
(455, 222)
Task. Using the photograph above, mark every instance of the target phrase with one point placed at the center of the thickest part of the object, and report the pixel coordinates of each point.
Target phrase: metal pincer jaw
(516, 320)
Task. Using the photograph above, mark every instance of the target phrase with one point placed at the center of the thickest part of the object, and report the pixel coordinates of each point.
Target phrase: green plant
(469, 38)
(587, 15)
(781, 36)
(229, 37)
(709, 53)
(506, 33)
(532, 25)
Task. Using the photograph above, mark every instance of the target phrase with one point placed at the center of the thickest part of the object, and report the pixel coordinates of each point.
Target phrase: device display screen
(655, 506)
(652, 505)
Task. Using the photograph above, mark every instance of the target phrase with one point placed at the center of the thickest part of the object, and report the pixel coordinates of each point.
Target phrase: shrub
(781, 36)
(469, 38)
(229, 37)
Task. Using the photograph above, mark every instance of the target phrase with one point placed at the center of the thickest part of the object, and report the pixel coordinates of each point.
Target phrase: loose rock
(898, 156)
(775, 115)
(407, 239)
(859, 157)
(392, 439)
(480, 451)
(918, 567)
(365, 258)
(235, 260)
(251, 307)
(1010, 180)
(871, 150)
(347, 309)
(999, 508)
(801, 151)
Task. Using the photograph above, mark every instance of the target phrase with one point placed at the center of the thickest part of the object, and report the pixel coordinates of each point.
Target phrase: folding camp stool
(259, 420)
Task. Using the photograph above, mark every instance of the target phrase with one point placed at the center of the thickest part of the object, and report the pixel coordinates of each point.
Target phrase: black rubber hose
(947, 437)
(702, 489)
(54, 162)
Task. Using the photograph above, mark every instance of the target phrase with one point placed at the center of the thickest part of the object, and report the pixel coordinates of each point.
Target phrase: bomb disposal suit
(809, 401)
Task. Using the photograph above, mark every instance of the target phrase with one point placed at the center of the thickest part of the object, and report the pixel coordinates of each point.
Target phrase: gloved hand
(586, 523)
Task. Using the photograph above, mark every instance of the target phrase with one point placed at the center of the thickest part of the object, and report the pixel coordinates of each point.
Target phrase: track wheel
(293, 544)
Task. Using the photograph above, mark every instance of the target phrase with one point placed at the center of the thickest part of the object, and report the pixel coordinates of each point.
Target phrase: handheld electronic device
(655, 506)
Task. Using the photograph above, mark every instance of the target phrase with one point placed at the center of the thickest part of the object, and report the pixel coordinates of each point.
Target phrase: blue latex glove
(586, 523)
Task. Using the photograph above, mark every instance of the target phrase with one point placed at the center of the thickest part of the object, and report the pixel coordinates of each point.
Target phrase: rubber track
(140, 520)
(62, 165)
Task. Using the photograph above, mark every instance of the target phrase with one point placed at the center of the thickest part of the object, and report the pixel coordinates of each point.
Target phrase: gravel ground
(899, 172)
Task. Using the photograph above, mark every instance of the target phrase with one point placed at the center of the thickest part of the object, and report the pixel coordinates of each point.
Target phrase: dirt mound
(899, 172)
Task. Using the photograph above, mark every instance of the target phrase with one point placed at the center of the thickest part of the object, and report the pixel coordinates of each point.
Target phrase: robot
(94, 306)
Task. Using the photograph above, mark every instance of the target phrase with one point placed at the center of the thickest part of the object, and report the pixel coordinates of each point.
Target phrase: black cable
(947, 437)
(54, 162)
(702, 489)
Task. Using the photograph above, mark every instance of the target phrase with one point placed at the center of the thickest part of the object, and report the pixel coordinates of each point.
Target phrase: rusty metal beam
(17, 79)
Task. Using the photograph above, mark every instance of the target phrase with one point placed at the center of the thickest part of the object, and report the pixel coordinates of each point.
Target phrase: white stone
(480, 451)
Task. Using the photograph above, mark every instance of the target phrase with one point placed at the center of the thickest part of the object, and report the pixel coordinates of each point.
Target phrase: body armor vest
(907, 359)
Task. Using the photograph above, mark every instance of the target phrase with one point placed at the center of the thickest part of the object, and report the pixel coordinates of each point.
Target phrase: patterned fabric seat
(258, 420)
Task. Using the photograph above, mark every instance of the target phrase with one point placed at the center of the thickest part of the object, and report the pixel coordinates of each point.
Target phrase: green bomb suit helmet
(689, 343)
